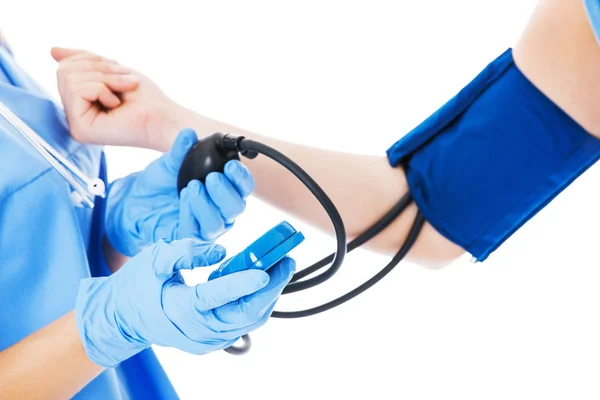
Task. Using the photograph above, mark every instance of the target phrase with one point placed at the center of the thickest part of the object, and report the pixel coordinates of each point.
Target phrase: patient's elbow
(433, 251)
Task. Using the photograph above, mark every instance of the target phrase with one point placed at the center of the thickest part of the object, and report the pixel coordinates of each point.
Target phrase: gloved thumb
(251, 308)
(219, 292)
(168, 258)
(182, 144)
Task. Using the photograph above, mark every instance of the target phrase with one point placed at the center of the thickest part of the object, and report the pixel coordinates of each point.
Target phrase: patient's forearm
(49, 364)
(557, 52)
(362, 187)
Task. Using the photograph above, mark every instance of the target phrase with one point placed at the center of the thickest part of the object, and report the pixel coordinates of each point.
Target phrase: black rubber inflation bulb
(206, 156)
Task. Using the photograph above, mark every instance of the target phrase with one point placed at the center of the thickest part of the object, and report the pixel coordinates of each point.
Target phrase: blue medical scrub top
(46, 244)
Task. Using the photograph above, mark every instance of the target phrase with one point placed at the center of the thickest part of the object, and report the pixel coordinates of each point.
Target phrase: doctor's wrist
(107, 343)
(123, 238)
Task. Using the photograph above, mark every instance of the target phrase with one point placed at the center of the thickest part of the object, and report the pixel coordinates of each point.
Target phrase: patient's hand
(107, 103)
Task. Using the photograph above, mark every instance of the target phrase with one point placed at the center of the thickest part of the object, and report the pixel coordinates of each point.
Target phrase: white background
(356, 76)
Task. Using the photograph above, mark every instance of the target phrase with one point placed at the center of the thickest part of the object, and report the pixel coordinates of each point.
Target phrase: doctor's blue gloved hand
(145, 206)
(147, 303)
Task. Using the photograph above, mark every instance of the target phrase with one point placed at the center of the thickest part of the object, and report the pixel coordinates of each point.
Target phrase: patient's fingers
(116, 82)
(88, 64)
(81, 60)
(60, 54)
(98, 91)
(104, 79)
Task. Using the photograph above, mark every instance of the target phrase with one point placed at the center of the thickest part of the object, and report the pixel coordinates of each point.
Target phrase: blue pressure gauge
(264, 253)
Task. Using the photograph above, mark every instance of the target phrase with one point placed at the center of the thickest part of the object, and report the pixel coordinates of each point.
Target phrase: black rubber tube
(410, 240)
(364, 237)
(336, 259)
(321, 196)
(240, 350)
(367, 235)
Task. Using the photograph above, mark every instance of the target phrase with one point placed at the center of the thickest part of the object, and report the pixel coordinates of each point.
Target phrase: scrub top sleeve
(592, 8)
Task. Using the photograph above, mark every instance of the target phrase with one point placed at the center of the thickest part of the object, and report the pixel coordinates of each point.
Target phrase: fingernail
(260, 277)
(118, 68)
(185, 143)
(188, 131)
(234, 166)
(264, 279)
(194, 185)
(129, 78)
(292, 264)
(219, 178)
(216, 255)
(230, 166)
(212, 179)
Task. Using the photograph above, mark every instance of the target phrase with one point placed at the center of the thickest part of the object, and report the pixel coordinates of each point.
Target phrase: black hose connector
(232, 142)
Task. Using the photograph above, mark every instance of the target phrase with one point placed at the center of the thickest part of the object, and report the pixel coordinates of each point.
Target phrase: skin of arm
(114, 259)
(560, 55)
(380, 188)
(49, 364)
(557, 51)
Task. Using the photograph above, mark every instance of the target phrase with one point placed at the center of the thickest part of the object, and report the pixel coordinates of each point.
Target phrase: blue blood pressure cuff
(491, 158)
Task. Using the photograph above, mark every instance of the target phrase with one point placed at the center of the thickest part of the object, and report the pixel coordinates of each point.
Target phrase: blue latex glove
(145, 206)
(147, 303)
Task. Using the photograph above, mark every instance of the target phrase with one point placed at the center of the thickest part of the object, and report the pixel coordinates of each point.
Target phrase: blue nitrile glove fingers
(259, 305)
(147, 302)
(231, 188)
(240, 177)
(188, 225)
(145, 207)
(204, 211)
(240, 315)
(216, 204)
(231, 315)
(263, 301)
